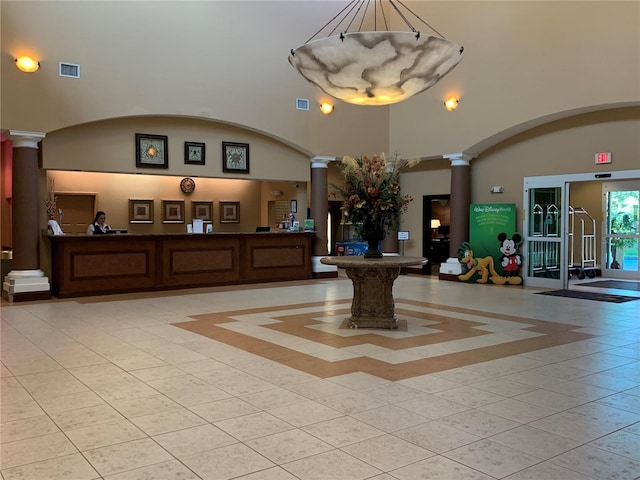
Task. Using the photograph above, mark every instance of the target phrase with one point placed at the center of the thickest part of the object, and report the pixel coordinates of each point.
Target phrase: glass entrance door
(545, 227)
(620, 232)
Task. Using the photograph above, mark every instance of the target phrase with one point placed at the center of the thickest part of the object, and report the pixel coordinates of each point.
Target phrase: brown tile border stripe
(552, 334)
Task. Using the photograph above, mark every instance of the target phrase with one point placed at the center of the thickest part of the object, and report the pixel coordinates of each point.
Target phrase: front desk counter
(105, 264)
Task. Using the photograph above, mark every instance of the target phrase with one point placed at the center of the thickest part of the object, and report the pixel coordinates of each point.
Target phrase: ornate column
(459, 204)
(319, 213)
(25, 281)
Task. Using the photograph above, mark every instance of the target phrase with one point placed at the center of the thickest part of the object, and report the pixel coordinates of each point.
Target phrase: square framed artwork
(172, 211)
(202, 211)
(194, 153)
(140, 211)
(229, 212)
(152, 151)
(235, 157)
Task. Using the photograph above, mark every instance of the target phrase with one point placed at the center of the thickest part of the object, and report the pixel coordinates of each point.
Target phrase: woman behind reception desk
(99, 225)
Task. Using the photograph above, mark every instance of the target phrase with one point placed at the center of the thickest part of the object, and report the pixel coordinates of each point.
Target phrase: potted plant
(372, 198)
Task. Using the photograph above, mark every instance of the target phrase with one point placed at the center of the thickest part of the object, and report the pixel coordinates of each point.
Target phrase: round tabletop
(391, 261)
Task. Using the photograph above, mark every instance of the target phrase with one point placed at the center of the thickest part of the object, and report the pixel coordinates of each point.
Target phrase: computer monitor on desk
(117, 231)
(263, 229)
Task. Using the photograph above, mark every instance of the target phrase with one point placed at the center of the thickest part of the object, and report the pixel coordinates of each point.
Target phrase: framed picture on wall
(172, 211)
(229, 212)
(202, 211)
(235, 157)
(293, 206)
(140, 211)
(194, 153)
(152, 151)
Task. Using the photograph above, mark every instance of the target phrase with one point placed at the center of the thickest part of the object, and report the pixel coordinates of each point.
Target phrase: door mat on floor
(599, 297)
(619, 284)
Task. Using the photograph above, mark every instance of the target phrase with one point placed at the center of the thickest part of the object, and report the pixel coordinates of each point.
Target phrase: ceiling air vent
(302, 104)
(71, 70)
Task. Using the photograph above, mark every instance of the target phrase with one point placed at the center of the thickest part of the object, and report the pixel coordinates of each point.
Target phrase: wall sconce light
(276, 193)
(27, 64)
(451, 104)
(326, 108)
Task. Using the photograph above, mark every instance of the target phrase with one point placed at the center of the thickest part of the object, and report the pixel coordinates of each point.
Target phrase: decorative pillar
(320, 213)
(25, 281)
(459, 205)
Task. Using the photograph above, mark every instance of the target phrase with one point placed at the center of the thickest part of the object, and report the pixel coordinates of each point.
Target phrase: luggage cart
(588, 265)
(543, 256)
(551, 229)
(537, 256)
(572, 227)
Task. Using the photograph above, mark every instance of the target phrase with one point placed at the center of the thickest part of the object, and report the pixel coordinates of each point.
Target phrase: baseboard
(449, 277)
(325, 274)
(414, 270)
(26, 296)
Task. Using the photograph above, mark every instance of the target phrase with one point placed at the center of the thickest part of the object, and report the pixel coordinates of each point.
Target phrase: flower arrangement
(371, 193)
(51, 202)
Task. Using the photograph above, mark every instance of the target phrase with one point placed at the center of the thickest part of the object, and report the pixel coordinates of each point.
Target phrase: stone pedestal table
(372, 305)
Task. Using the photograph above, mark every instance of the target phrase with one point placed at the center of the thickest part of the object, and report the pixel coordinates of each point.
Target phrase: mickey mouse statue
(510, 259)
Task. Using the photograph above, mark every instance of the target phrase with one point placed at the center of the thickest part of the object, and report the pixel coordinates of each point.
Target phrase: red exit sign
(604, 157)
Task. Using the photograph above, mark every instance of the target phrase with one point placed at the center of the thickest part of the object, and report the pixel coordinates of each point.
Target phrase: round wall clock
(187, 185)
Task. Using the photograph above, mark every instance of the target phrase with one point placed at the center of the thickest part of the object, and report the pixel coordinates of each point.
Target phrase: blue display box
(353, 248)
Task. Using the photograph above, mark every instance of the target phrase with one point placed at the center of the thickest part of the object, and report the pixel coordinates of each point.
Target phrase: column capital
(459, 159)
(321, 162)
(20, 138)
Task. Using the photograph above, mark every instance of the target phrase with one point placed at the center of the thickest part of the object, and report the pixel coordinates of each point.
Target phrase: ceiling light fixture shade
(27, 64)
(375, 67)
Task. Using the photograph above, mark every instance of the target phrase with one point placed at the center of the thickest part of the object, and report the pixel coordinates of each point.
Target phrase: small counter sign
(604, 157)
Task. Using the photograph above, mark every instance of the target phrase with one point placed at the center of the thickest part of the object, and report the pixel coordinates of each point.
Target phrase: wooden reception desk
(106, 264)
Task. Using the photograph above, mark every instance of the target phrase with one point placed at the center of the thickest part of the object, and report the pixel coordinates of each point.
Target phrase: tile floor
(263, 382)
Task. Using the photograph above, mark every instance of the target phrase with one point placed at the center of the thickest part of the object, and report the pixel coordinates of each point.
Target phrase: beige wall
(109, 146)
(431, 177)
(525, 63)
(559, 148)
(563, 147)
(227, 61)
(218, 60)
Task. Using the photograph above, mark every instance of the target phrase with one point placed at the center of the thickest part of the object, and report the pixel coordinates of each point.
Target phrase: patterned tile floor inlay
(265, 382)
(443, 334)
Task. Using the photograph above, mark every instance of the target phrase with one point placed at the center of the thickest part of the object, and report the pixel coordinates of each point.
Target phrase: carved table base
(372, 305)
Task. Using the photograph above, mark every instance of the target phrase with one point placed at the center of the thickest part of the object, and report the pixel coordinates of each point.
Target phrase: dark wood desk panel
(105, 264)
(199, 260)
(101, 264)
(281, 256)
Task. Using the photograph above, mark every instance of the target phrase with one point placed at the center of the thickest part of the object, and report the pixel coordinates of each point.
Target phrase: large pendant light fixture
(374, 67)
